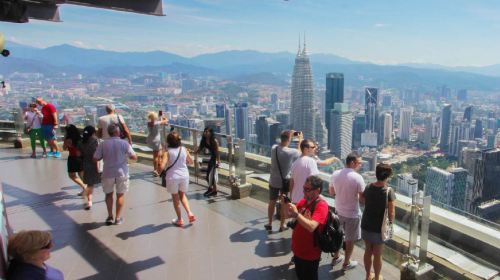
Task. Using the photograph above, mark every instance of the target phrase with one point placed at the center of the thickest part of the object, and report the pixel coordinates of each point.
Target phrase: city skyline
(412, 35)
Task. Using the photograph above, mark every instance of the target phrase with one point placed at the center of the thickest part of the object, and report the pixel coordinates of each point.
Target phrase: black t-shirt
(375, 204)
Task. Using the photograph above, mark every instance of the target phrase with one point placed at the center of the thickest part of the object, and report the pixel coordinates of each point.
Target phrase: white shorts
(108, 184)
(176, 185)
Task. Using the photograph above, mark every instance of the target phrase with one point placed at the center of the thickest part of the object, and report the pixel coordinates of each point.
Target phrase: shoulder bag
(163, 174)
(123, 133)
(284, 181)
(387, 228)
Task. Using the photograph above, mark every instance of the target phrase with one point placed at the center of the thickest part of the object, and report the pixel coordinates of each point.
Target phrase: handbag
(28, 128)
(163, 174)
(284, 181)
(123, 133)
(387, 229)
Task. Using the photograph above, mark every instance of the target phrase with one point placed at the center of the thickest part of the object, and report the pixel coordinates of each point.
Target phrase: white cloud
(80, 44)
(380, 25)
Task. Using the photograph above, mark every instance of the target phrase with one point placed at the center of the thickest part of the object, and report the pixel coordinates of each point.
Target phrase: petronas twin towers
(302, 111)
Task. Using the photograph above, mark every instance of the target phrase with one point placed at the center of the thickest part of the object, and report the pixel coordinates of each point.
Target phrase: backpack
(330, 239)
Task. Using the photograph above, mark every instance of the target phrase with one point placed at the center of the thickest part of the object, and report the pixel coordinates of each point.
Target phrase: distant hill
(245, 66)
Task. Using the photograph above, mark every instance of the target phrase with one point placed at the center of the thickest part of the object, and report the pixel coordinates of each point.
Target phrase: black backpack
(330, 239)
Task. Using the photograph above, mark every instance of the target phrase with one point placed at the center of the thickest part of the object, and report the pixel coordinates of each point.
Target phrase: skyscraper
(439, 185)
(486, 177)
(341, 130)
(478, 129)
(274, 102)
(220, 111)
(357, 129)
(302, 105)
(444, 139)
(371, 110)
(459, 188)
(241, 125)
(387, 131)
(468, 113)
(428, 132)
(334, 94)
(405, 115)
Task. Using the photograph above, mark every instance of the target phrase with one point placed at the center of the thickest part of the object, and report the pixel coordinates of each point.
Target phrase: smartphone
(160, 113)
(296, 133)
(286, 199)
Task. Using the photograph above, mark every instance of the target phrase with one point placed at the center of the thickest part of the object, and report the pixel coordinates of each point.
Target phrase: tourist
(310, 213)
(91, 176)
(49, 126)
(377, 197)
(177, 176)
(209, 144)
(347, 186)
(71, 144)
(115, 153)
(282, 158)
(112, 118)
(34, 125)
(305, 166)
(154, 140)
(29, 250)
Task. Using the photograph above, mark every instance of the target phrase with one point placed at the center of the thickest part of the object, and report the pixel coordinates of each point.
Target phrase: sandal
(268, 227)
(282, 229)
(177, 223)
(155, 173)
(192, 219)
(109, 221)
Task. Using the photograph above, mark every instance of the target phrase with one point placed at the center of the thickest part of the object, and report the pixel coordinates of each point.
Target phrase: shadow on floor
(147, 229)
(284, 271)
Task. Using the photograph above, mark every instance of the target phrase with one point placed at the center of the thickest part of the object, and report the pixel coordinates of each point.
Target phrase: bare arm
(309, 224)
(327, 161)
(189, 159)
(54, 115)
(217, 151)
(290, 185)
(331, 190)
(391, 210)
(361, 197)
(127, 131)
(165, 161)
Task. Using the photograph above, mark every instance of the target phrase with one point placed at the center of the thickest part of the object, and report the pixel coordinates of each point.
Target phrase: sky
(445, 32)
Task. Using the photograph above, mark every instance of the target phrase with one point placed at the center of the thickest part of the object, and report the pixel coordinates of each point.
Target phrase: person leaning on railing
(28, 251)
(154, 140)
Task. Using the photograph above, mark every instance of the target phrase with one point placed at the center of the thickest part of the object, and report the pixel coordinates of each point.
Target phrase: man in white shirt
(115, 153)
(304, 167)
(347, 186)
(111, 118)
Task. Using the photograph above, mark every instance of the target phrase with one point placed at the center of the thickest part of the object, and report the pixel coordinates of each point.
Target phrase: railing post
(239, 187)
(416, 266)
(19, 127)
(196, 163)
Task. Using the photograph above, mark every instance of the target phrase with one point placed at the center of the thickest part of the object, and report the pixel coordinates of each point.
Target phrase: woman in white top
(154, 140)
(177, 176)
(33, 119)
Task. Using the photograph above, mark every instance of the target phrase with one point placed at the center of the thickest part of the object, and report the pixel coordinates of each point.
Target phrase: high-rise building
(478, 129)
(267, 130)
(444, 139)
(406, 184)
(334, 93)
(439, 185)
(405, 115)
(486, 177)
(220, 110)
(386, 124)
(358, 128)
(459, 188)
(241, 125)
(386, 101)
(302, 101)
(462, 95)
(284, 119)
(320, 132)
(371, 110)
(428, 132)
(274, 102)
(468, 113)
(341, 130)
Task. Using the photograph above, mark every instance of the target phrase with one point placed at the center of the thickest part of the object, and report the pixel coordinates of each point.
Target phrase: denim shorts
(48, 132)
(372, 237)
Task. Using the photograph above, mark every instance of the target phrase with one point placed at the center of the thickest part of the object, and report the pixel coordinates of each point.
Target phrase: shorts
(75, 164)
(274, 193)
(108, 184)
(48, 132)
(177, 185)
(372, 237)
(352, 228)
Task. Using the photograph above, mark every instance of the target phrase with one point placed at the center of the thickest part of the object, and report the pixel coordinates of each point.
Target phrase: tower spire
(298, 52)
(304, 51)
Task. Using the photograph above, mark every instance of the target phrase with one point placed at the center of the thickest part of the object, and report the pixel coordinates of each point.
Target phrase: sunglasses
(306, 190)
(312, 147)
(48, 246)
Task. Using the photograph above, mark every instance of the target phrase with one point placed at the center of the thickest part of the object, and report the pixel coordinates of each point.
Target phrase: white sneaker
(337, 260)
(350, 265)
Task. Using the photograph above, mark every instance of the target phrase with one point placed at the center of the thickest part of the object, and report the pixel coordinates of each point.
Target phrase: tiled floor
(227, 241)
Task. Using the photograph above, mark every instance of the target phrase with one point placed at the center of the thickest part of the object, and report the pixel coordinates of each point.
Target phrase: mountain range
(247, 65)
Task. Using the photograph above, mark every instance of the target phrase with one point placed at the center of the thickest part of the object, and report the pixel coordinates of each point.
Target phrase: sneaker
(57, 155)
(350, 265)
(177, 223)
(44, 154)
(212, 193)
(33, 156)
(337, 260)
(109, 221)
(119, 221)
(192, 219)
(80, 193)
(269, 228)
(50, 154)
(207, 192)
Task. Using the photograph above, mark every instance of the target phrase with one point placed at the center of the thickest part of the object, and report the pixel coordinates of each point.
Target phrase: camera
(160, 113)
(291, 224)
(296, 133)
(286, 199)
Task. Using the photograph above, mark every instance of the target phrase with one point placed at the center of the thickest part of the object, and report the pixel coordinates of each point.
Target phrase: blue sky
(447, 32)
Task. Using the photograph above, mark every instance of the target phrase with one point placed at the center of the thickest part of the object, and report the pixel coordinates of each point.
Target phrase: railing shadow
(267, 247)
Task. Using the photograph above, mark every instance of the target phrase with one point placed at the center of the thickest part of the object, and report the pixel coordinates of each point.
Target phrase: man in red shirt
(311, 214)
(49, 126)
